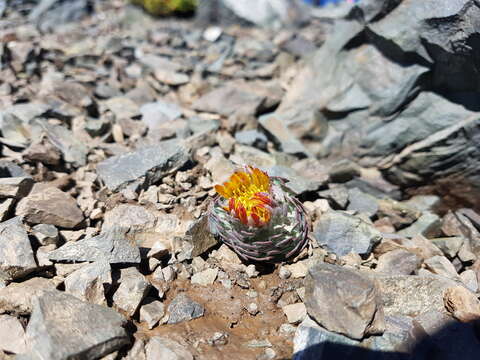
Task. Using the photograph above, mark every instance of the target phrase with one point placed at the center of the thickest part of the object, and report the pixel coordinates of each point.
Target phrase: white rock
(12, 335)
(295, 312)
(206, 277)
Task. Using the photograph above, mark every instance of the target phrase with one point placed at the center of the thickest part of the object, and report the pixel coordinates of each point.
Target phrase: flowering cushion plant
(258, 217)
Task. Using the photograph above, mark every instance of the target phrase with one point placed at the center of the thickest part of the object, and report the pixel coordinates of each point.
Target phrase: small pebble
(252, 309)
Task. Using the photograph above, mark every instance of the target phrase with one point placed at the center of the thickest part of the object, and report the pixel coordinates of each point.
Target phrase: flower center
(248, 195)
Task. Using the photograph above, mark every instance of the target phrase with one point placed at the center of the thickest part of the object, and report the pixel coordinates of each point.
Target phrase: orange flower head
(248, 195)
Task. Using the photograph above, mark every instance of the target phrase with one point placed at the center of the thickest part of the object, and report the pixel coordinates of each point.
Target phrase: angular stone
(73, 149)
(469, 279)
(112, 246)
(46, 234)
(314, 342)
(198, 239)
(48, 205)
(17, 298)
(6, 206)
(411, 295)
(123, 107)
(205, 277)
(171, 78)
(426, 225)
(148, 164)
(282, 135)
(357, 309)
(227, 100)
(16, 254)
(449, 245)
(295, 313)
(12, 335)
(342, 233)
(15, 187)
(362, 202)
(398, 262)
(440, 265)
(337, 194)
(399, 213)
(182, 308)
(296, 182)
(462, 304)
(50, 336)
(90, 283)
(159, 112)
(133, 288)
(152, 313)
(163, 348)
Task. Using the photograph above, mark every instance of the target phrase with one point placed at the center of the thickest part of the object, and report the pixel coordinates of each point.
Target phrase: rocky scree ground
(116, 127)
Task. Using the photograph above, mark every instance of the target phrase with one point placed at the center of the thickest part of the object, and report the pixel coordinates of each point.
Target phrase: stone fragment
(111, 245)
(205, 278)
(252, 309)
(171, 78)
(198, 239)
(16, 254)
(152, 313)
(469, 279)
(398, 262)
(122, 107)
(462, 304)
(90, 283)
(338, 195)
(46, 234)
(312, 341)
(50, 336)
(6, 206)
(73, 149)
(227, 100)
(342, 233)
(182, 308)
(12, 335)
(15, 187)
(295, 312)
(137, 352)
(398, 213)
(298, 269)
(158, 113)
(282, 135)
(362, 202)
(426, 225)
(132, 290)
(411, 295)
(449, 245)
(163, 348)
(48, 205)
(296, 181)
(148, 165)
(17, 298)
(440, 265)
(357, 311)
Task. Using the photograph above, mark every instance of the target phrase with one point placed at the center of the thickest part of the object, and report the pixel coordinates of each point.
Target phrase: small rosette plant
(258, 217)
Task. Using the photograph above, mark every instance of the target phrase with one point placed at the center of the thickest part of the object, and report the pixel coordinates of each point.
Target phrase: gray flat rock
(182, 308)
(164, 348)
(12, 335)
(49, 205)
(16, 254)
(343, 301)
(133, 288)
(112, 246)
(16, 298)
(90, 282)
(148, 164)
(342, 233)
(64, 327)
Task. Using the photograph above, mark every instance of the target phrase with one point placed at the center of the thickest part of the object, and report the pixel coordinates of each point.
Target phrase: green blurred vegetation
(166, 7)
